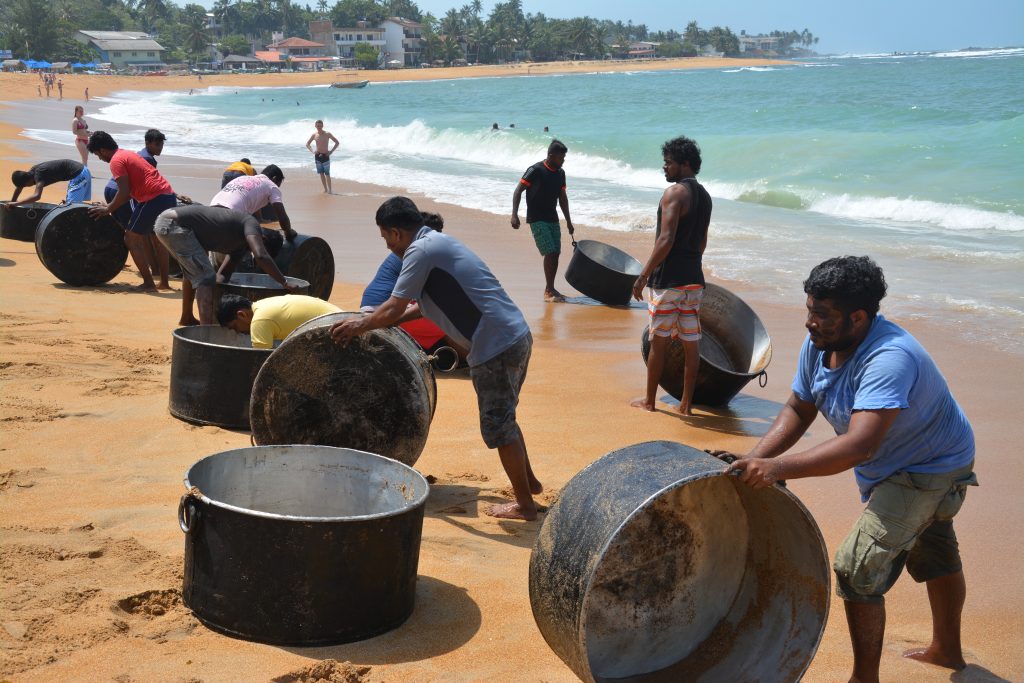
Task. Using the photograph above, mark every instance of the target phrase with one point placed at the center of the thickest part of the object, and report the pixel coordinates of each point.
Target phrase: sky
(867, 26)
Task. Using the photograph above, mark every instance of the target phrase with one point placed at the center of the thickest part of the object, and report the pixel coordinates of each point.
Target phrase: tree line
(44, 29)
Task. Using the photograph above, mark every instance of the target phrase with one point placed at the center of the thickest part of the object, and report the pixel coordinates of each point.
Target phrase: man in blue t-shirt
(909, 444)
(457, 291)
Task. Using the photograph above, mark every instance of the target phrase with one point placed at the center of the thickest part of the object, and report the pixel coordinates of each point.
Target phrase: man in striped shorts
(674, 273)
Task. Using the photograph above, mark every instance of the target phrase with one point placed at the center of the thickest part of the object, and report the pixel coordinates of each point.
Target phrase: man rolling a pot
(674, 272)
(249, 194)
(272, 319)
(906, 439)
(74, 173)
(544, 184)
(190, 232)
(457, 291)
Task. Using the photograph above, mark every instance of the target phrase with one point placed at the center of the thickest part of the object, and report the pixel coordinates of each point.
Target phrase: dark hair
(22, 179)
(433, 220)
(683, 149)
(320, 121)
(273, 240)
(852, 283)
(229, 306)
(274, 173)
(399, 212)
(153, 135)
(557, 147)
(100, 140)
(245, 161)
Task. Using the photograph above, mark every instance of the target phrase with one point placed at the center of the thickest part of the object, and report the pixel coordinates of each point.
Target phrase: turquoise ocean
(916, 160)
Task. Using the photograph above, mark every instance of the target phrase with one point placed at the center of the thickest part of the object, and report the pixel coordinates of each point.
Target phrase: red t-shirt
(145, 181)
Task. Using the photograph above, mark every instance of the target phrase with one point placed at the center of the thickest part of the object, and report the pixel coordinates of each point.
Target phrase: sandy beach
(91, 463)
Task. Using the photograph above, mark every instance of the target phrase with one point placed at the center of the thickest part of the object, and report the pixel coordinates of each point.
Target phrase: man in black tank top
(673, 272)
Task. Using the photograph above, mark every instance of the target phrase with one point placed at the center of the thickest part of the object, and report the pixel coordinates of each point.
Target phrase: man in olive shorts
(909, 444)
(544, 184)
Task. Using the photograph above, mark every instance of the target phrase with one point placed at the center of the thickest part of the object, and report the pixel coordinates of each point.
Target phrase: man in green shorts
(544, 184)
(908, 442)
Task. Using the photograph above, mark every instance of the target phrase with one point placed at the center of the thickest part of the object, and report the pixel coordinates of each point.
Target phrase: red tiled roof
(268, 56)
(296, 42)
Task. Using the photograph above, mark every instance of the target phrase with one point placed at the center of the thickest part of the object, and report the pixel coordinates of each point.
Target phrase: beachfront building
(345, 39)
(759, 44)
(642, 49)
(124, 49)
(242, 63)
(298, 52)
(403, 41)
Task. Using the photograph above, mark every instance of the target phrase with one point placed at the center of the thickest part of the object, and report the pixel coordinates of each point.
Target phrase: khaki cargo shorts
(908, 522)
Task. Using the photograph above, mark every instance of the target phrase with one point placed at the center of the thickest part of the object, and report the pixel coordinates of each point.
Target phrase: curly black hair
(683, 149)
(101, 140)
(399, 212)
(852, 283)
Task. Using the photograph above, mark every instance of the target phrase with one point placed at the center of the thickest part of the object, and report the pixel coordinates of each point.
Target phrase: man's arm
(563, 202)
(674, 205)
(27, 200)
(790, 424)
(515, 203)
(336, 143)
(119, 200)
(412, 312)
(310, 142)
(282, 218)
(859, 444)
(261, 257)
(386, 315)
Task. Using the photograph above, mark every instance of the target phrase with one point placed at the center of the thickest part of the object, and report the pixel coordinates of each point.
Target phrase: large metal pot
(734, 349)
(377, 394)
(20, 222)
(256, 286)
(306, 257)
(602, 272)
(654, 566)
(212, 373)
(301, 545)
(79, 249)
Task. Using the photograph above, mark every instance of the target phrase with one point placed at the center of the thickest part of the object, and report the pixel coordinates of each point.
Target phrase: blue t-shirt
(457, 291)
(112, 183)
(383, 283)
(890, 369)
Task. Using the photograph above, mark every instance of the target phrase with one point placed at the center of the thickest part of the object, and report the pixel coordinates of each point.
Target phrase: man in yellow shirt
(237, 170)
(270, 320)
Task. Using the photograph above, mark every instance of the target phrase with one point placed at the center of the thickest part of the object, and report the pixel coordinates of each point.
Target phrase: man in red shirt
(150, 194)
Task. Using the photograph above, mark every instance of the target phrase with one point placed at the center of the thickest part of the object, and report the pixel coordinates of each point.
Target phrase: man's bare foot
(642, 403)
(931, 655)
(535, 486)
(685, 410)
(188, 322)
(513, 511)
(554, 297)
(145, 287)
(165, 286)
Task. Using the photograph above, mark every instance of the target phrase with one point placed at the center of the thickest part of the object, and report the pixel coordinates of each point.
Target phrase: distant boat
(352, 84)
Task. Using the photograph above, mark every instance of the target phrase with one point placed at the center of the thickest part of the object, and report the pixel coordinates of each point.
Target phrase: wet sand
(91, 555)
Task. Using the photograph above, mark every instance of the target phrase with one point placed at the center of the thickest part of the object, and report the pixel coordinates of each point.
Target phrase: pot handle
(454, 364)
(187, 515)
(573, 238)
(30, 214)
(762, 379)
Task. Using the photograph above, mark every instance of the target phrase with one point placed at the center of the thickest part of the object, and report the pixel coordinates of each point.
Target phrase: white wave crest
(948, 216)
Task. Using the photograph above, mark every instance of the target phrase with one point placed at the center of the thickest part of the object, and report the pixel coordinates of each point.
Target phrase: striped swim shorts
(675, 312)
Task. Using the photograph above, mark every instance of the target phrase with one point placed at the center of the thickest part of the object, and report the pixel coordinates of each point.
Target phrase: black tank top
(682, 266)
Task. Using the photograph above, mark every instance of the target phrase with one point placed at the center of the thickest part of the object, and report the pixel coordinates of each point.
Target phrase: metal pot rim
(216, 346)
(196, 493)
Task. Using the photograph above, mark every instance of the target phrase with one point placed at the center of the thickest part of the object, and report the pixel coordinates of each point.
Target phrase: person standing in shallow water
(544, 185)
(908, 442)
(674, 271)
(458, 292)
(322, 155)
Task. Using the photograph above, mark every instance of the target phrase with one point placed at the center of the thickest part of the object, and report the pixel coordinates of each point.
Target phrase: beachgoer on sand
(674, 272)
(457, 291)
(86, 94)
(154, 147)
(60, 89)
(544, 184)
(905, 437)
(272, 319)
(139, 181)
(322, 155)
(249, 194)
(75, 174)
(242, 167)
(191, 233)
(429, 336)
(80, 129)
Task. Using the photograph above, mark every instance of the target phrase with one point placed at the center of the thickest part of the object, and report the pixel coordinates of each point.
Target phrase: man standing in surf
(322, 155)
(674, 270)
(544, 184)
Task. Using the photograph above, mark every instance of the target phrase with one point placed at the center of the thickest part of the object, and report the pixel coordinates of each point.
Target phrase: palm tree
(321, 7)
(196, 35)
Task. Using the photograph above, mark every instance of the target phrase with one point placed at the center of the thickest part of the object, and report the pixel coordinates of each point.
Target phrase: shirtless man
(322, 155)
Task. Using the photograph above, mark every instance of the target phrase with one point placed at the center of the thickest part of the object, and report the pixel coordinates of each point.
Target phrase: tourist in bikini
(80, 129)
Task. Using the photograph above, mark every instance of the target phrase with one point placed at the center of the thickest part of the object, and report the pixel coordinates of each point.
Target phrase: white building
(346, 38)
(403, 41)
(124, 48)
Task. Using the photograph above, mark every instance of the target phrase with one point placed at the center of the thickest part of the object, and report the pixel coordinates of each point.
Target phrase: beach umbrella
(43, 65)
(78, 65)
(30, 63)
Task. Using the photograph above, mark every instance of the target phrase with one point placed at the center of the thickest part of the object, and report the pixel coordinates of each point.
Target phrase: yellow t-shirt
(274, 318)
(241, 167)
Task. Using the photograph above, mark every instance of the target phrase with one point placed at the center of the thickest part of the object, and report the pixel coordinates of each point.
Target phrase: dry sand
(91, 466)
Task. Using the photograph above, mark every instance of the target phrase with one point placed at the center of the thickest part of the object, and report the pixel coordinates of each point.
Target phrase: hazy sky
(864, 26)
